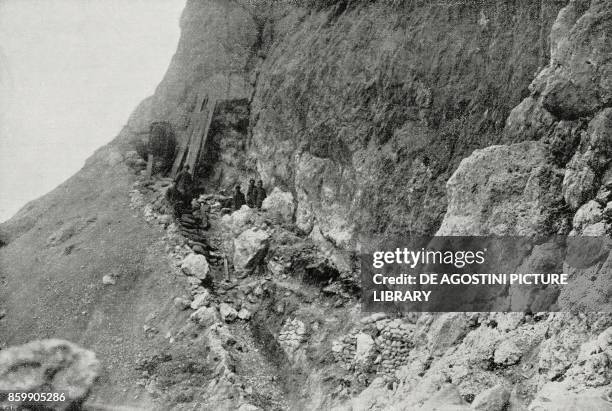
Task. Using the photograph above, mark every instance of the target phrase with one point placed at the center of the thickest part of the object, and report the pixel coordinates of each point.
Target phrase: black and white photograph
(296, 205)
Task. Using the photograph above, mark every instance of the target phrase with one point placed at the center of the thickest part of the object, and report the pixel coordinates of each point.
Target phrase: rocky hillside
(368, 119)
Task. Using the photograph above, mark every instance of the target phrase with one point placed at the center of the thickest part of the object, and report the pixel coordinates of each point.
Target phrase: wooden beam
(184, 143)
(198, 141)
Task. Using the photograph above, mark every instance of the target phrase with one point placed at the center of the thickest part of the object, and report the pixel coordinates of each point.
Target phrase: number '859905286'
(35, 396)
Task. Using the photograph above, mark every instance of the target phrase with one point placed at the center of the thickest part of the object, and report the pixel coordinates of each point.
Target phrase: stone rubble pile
(291, 336)
(382, 343)
(344, 350)
(394, 343)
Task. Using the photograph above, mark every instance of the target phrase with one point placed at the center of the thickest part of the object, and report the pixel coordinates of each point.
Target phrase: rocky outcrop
(558, 184)
(577, 81)
(47, 366)
(503, 190)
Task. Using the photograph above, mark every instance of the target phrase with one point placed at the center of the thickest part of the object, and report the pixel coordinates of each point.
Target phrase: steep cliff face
(363, 110)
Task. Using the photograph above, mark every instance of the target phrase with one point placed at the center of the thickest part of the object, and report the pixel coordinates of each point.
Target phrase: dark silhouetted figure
(260, 194)
(251, 196)
(183, 182)
(238, 199)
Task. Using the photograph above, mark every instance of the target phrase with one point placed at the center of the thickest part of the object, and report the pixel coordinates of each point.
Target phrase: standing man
(260, 194)
(238, 198)
(251, 196)
(183, 182)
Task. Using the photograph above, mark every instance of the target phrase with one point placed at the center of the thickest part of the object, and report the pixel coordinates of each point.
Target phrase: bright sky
(71, 72)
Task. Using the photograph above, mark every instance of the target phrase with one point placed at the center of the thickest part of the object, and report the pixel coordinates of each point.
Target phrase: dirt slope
(52, 273)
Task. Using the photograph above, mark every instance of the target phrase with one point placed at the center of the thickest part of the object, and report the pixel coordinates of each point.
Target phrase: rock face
(354, 172)
(557, 184)
(48, 366)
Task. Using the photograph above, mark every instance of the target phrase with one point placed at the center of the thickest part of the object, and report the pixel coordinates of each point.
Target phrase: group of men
(256, 194)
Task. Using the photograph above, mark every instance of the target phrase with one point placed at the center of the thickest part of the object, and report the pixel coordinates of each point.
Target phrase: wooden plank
(184, 143)
(198, 141)
(149, 165)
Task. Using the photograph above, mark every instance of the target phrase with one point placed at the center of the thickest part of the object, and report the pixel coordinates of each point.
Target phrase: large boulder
(239, 220)
(502, 190)
(249, 249)
(196, 265)
(279, 204)
(48, 366)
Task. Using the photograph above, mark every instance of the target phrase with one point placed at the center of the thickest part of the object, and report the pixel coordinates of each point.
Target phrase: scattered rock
(108, 280)
(205, 316)
(604, 340)
(228, 313)
(248, 407)
(244, 314)
(48, 366)
(493, 399)
(196, 265)
(202, 299)
(181, 303)
(165, 219)
(507, 353)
